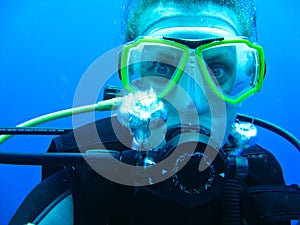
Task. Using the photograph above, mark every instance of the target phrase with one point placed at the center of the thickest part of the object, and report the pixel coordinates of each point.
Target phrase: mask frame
(198, 46)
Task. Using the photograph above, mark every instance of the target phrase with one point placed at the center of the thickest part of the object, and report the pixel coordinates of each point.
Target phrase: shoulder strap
(91, 192)
(264, 169)
(270, 204)
(267, 200)
(105, 133)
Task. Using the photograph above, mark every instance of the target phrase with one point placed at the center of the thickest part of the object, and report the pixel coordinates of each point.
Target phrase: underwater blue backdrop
(46, 46)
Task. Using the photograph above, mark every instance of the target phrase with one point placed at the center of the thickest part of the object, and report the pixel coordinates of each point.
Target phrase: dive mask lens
(152, 64)
(233, 69)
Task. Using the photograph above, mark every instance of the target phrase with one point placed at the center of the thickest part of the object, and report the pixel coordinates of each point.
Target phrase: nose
(192, 81)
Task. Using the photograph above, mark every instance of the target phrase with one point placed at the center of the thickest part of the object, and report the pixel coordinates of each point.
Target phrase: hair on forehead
(133, 9)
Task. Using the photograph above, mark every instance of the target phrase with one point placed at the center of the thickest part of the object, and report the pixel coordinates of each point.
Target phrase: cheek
(228, 85)
(231, 111)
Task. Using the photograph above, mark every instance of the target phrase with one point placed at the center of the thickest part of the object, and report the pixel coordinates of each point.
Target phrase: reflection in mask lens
(233, 68)
(153, 59)
(153, 65)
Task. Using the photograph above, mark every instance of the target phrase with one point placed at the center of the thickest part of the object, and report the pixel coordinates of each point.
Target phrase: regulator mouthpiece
(141, 112)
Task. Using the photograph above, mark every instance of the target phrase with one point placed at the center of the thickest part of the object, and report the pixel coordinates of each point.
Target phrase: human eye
(221, 66)
(220, 61)
(163, 69)
(157, 69)
(219, 71)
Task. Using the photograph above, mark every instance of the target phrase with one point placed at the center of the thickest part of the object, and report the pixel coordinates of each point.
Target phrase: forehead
(191, 33)
(219, 19)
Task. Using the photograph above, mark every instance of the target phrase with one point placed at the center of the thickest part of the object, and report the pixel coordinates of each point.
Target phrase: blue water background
(46, 46)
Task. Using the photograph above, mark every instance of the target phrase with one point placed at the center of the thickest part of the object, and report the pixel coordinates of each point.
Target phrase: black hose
(33, 131)
(272, 127)
(231, 203)
(53, 159)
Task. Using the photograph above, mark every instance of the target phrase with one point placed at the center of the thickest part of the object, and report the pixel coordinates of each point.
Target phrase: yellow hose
(100, 106)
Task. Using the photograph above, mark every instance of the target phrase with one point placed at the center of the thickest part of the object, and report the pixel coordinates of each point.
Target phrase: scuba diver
(175, 151)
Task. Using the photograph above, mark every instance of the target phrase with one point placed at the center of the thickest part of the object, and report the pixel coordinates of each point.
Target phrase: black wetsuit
(98, 200)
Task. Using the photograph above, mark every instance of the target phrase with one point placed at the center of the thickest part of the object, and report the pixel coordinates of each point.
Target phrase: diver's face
(192, 101)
